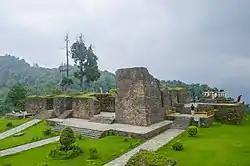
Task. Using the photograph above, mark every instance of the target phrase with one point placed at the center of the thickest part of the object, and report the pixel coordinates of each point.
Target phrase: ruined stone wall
(179, 107)
(230, 114)
(61, 104)
(138, 100)
(226, 113)
(183, 96)
(85, 108)
(167, 100)
(35, 105)
(107, 102)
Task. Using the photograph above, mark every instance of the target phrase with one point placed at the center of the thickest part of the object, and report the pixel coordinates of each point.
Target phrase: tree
(67, 137)
(17, 96)
(86, 62)
(66, 82)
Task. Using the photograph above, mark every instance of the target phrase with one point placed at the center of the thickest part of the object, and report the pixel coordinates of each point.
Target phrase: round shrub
(67, 137)
(42, 164)
(93, 153)
(146, 158)
(177, 146)
(47, 131)
(62, 153)
(192, 131)
(9, 124)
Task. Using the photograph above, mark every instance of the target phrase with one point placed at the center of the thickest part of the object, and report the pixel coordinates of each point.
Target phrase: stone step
(181, 123)
(89, 133)
(102, 119)
(66, 114)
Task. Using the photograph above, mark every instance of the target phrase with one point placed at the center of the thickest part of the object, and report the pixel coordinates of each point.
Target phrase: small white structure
(214, 94)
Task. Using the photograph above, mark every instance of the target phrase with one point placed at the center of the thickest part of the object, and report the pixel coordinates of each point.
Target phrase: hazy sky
(205, 41)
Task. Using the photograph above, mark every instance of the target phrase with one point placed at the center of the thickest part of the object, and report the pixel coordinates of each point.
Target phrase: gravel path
(152, 144)
(28, 146)
(18, 128)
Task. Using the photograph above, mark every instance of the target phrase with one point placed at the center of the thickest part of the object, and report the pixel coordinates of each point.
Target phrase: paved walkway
(18, 128)
(28, 146)
(152, 144)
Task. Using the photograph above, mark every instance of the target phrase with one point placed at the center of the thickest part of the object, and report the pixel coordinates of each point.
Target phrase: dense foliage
(178, 146)
(192, 131)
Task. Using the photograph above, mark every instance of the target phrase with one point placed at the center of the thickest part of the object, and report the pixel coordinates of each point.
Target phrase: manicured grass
(108, 149)
(220, 145)
(29, 134)
(15, 123)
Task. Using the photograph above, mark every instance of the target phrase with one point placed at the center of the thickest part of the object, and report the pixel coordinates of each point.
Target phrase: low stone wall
(226, 113)
(61, 104)
(85, 108)
(107, 102)
(35, 105)
(204, 107)
(230, 114)
(178, 107)
(204, 122)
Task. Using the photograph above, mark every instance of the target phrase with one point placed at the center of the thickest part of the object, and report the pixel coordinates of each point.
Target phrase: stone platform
(205, 121)
(18, 115)
(142, 132)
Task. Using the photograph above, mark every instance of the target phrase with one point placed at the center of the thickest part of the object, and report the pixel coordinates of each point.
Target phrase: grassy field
(15, 122)
(108, 149)
(29, 134)
(220, 145)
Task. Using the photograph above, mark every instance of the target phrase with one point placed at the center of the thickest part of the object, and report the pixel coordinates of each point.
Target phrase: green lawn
(220, 145)
(29, 134)
(108, 149)
(15, 122)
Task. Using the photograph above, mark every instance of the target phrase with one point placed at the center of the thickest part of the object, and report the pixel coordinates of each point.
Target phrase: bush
(79, 137)
(67, 137)
(9, 124)
(110, 133)
(36, 138)
(192, 131)
(146, 158)
(93, 153)
(42, 164)
(47, 131)
(62, 153)
(177, 146)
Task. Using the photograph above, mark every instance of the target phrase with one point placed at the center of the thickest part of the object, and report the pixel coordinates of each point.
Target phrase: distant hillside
(42, 80)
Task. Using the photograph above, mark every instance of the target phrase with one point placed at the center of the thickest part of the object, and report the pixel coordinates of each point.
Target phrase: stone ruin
(138, 100)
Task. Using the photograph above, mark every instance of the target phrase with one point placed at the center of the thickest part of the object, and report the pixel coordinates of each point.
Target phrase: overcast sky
(205, 41)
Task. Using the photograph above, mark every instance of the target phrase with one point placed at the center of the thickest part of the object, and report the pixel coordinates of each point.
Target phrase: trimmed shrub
(62, 153)
(67, 137)
(110, 133)
(93, 153)
(177, 146)
(9, 124)
(47, 131)
(147, 158)
(36, 138)
(192, 131)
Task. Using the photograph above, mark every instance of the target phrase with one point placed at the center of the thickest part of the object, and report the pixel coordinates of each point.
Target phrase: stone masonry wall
(107, 102)
(35, 105)
(61, 104)
(138, 100)
(85, 108)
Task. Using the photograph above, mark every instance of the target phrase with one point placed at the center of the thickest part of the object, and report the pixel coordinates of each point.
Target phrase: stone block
(61, 104)
(35, 105)
(107, 102)
(85, 108)
(138, 100)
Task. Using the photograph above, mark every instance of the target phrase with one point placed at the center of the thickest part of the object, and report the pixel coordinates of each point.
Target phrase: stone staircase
(102, 119)
(89, 133)
(46, 114)
(181, 122)
(66, 114)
